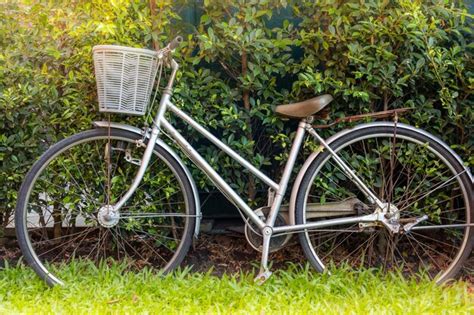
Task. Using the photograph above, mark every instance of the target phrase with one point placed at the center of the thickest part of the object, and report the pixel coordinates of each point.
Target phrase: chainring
(254, 237)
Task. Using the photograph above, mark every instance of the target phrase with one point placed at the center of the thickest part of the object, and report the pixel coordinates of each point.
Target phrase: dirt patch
(223, 253)
(9, 251)
(232, 254)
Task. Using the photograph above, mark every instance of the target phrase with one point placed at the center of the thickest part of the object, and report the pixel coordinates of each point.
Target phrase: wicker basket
(125, 78)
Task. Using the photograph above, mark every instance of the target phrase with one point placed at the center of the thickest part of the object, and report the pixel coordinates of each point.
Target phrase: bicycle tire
(319, 253)
(182, 226)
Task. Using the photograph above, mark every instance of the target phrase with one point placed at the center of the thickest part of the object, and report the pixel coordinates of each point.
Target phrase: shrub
(236, 63)
(379, 55)
(47, 87)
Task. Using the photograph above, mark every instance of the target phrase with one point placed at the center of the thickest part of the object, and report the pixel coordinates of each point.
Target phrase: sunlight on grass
(108, 289)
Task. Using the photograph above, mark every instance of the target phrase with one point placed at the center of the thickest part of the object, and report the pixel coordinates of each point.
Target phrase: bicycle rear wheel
(408, 170)
(60, 214)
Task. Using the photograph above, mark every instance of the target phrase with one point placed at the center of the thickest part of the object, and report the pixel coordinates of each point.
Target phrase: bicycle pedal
(262, 277)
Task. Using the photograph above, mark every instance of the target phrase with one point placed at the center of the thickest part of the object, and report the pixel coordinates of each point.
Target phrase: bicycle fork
(155, 132)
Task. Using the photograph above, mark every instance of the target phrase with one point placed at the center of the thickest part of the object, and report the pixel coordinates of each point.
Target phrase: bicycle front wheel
(429, 188)
(61, 214)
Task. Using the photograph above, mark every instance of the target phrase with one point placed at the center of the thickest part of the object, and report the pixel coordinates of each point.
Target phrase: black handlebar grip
(175, 42)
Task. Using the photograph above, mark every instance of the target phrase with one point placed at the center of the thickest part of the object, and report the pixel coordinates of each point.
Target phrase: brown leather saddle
(304, 109)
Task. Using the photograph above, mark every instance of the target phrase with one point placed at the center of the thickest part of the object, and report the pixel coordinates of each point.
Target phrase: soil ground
(223, 253)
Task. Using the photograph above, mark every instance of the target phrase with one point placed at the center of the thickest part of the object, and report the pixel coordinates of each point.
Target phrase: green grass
(296, 290)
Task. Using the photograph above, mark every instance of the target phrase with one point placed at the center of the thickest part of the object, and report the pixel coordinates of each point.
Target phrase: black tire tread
(299, 215)
(21, 229)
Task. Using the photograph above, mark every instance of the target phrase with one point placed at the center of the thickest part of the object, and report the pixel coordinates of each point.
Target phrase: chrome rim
(413, 251)
(151, 227)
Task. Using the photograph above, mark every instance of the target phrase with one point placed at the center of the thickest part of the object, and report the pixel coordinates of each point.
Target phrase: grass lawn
(296, 290)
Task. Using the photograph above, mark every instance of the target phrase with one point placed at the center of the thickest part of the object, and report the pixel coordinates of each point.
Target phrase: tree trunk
(251, 190)
(153, 10)
(57, 219)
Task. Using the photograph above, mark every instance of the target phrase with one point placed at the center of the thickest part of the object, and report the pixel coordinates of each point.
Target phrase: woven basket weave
(125, 78)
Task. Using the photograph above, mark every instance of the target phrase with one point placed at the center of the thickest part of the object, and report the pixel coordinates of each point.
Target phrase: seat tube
(295, 148)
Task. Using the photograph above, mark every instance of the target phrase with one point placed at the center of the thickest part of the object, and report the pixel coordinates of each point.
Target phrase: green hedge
(237, 63)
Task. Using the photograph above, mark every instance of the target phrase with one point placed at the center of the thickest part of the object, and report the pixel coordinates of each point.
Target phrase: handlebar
(175, 42)
(166, 52)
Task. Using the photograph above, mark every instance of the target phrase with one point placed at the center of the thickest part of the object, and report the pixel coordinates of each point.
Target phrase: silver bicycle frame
(279, 189)
(266, 227)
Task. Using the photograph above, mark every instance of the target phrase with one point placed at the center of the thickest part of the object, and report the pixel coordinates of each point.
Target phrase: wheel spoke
(63, 222)
(404, 171)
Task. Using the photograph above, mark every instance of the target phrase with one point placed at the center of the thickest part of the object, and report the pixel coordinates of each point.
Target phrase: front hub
(108, 217)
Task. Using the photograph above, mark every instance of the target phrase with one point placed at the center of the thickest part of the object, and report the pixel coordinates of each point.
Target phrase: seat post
(267, 230)
(285, 178)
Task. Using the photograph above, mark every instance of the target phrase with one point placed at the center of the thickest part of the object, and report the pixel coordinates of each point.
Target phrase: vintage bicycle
(381, 194)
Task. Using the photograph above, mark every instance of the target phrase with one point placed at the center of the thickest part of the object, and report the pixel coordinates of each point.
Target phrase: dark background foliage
(240, 59)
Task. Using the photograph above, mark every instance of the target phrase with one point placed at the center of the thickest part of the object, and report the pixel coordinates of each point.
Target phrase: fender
(159, 142)
(338, 135)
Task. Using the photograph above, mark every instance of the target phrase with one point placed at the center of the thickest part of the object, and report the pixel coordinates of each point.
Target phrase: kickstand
(265, 272)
